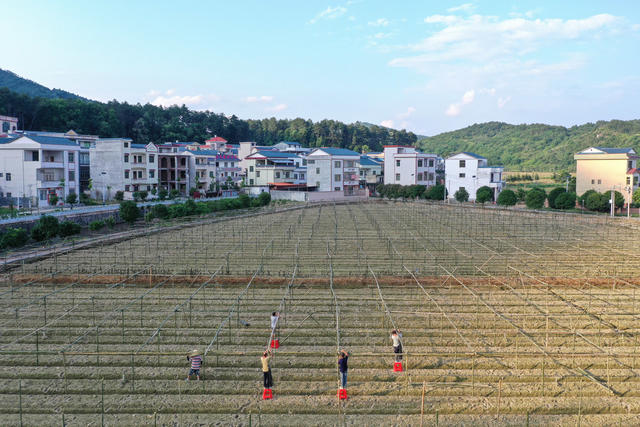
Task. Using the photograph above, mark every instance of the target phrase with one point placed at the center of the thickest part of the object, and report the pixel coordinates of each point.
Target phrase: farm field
(508, 318)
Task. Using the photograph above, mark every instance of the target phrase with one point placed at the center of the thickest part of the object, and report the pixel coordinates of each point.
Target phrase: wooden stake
(424, 385)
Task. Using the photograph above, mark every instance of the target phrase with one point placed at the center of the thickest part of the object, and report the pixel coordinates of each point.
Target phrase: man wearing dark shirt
(343, 357)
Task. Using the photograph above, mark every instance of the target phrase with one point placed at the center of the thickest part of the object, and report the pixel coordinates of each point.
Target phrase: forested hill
(150, 123)
(28, 87)
(535, 147)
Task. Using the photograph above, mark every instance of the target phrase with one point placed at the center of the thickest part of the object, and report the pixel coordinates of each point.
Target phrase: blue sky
(427, 66)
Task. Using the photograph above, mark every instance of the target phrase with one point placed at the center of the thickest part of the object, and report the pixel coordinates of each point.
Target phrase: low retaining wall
(317, 196)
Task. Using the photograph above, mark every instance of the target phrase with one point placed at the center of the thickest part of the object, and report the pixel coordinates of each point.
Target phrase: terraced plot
(507, 318)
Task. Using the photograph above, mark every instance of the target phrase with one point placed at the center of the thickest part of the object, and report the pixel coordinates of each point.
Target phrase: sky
(425, 66)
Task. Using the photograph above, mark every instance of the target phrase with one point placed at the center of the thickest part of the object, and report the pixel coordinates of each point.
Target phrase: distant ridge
(28, 87)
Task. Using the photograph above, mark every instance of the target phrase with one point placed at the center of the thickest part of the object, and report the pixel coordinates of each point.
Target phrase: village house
(470, 171)
(605, 169)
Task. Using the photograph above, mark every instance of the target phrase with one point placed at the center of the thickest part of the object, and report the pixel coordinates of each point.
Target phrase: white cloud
(279, 107)
(503, 101)
(387, 123)
(169, 98)
(409, 112)
(466, 7)
(329, 13)
(453, 110)
(468, 97)
(484, 39)
(380, 22)
(263, 98)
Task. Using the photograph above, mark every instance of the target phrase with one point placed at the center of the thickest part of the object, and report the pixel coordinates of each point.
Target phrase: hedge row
(397, 191)
(190, 207)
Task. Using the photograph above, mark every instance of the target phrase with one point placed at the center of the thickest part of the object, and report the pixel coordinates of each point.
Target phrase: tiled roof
(366, 161)
(609, 150)
(469, 153)
(138, 145)
(51, 140)
(632, 171)
(274, 154)
(7, 139)
(204, 152)
(339, 151)
(216, 139)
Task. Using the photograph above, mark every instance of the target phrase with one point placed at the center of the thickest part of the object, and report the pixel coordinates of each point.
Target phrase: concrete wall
(318, 196)
(601, 175)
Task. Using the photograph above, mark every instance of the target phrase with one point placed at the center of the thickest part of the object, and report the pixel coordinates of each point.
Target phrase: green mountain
(535, 147)
(18, 84)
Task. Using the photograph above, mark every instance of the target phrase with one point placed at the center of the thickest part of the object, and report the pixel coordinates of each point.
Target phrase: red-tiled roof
(632, 171)
(216, 139)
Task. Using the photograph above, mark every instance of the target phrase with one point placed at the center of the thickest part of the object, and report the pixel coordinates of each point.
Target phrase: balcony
(52, 165)
(351, 170)
(48, 184)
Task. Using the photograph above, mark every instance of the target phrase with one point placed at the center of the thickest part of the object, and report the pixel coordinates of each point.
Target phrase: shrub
(535, 198)
(162, 194)
(72, 198)
(566, 201)
(173, 194)
(129, 212)
(635, 199)
(596, 202)
(53, 200)
(154, 191)
(618, 199)
(119, 196)
(380, 189)
(245, 200)
(160, 211)
(111, 222)
(148, 217)
(177, 210)
(14, 238)
(484, 194)
(190, 207)
(68, 228)
(507, 198)
(136, 196)
(85, 199)
(38, 234)
(437, 192)
(522, 195)
(264, 198)
(553, 194)
(96, 225)
(48, 227)
(461, 195)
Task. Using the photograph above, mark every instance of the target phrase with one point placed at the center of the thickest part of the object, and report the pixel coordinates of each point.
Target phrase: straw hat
(194, 353)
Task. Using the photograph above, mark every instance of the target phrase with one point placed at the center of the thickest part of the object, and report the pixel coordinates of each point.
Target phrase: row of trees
(397, 191)
(150, 123)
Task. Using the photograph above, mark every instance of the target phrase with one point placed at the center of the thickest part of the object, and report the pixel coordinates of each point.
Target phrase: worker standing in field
(397, 344)
(266, 369)
(343, 367)
(196, 363)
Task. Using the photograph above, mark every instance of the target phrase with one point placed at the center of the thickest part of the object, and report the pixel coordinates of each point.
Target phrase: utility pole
(612, 202)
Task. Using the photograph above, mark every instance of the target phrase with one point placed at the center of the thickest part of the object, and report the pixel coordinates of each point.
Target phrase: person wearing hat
(266, 369)
(196, 362)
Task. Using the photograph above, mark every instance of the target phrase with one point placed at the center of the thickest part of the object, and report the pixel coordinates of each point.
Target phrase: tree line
(151, 123)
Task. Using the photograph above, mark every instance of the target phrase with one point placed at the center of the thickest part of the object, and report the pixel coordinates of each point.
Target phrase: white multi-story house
(370, 170)
(8, 124)
(117, 164)
(471, 171)
(409, 166)
(202, 169)
(228, 166)
(266, 168)
(334, 169)
(35, 167)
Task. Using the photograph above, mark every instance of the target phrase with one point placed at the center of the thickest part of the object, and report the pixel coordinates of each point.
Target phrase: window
(318, 171)
(349, 163)
(8, 194)
(250, 182)
(599, 181)
(126, 188)
(295, 176)
(71, 157)
(304, 162)
(336, 188)
(257, 174)
(629, 165)
(593, 181)
(0, 174)
(635, 180)
(397, 177)
(126, 174)
(8, 177)
(362, 172)
(35, 156)
(210, 174)
(397, 162)
(462, 163)
(126, 158)
(628, 180)
(72, 176)
(278, 174)
(337, 178)
(430, 163)
(152, 158)
(419, 177)
(126, 145)
(419, 164)
(318, 184)
(250, 168)
(152, 173)
(430, 177)
(84, 159)
(337, 164)
(309, 162)
(462, 175)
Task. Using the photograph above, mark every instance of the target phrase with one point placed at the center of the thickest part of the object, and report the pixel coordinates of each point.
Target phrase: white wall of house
(333, 172)
(465, 171)
(408, 166)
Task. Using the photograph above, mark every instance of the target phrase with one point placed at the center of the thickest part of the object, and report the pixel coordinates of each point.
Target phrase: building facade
(471, 171)
(605, 169)
(408, 166)
(334, 169)
(269, 167)
(33, 168)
